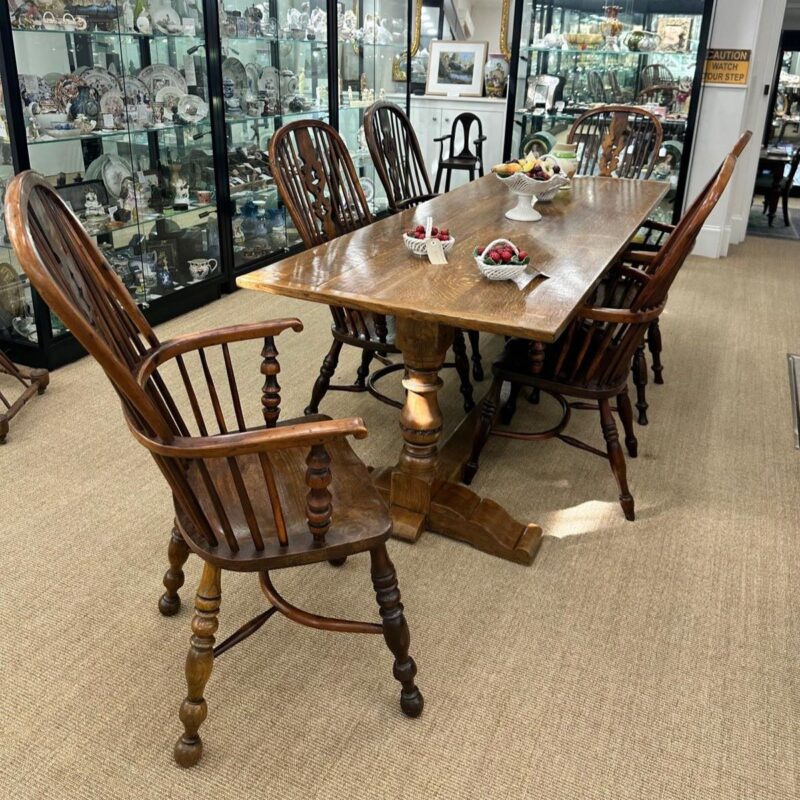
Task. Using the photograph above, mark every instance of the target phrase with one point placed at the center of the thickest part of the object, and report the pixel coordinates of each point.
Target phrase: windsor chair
(591, 361)
(656, 75)
(246, 499)
(596, 86)
(641, 255)
(398, 160)
(33, 381)
(317, 182)
(775, 186)
(617, 140)
(465, 160)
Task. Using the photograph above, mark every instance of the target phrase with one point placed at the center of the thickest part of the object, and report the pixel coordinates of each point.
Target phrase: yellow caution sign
(727, 67)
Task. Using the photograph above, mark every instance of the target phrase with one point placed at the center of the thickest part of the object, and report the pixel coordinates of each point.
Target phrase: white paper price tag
(435, 251)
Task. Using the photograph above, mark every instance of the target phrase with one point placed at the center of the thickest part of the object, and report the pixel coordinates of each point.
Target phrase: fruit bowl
(530, 191)
(500, 269)
(416, 241)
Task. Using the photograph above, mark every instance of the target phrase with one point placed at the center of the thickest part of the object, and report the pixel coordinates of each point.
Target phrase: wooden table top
(581, 234)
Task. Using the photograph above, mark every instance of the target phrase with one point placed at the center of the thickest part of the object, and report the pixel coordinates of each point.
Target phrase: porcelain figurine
(92, 206)
(181, 197)
(127, 15)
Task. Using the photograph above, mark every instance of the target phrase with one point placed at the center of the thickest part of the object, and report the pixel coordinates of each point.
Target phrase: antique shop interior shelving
(136, 120)
(566, 64)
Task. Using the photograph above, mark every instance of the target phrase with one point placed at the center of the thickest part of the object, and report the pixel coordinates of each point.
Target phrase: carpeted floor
(758, 223)
(633, 661)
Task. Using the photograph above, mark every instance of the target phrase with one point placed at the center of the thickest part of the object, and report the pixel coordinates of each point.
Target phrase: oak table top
(580, 235)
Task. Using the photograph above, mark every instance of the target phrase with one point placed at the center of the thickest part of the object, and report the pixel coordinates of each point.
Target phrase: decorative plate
(99, 79)
(157, 76)
(95, 169)
(167, 20)
(269, 81)
(368, 185)
(66, 91)
(192, 108)
(253, 73)
(114, 172)
(169, 96)
(233, 70)
(133, 88)
(52, 79)
(11, 298)
(25, 328)
(112, 102)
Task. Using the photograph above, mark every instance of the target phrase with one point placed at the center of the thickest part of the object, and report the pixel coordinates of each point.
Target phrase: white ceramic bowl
(529, 191)
(417, 246)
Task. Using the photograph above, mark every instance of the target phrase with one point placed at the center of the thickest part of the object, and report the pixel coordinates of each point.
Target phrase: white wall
(726, 112)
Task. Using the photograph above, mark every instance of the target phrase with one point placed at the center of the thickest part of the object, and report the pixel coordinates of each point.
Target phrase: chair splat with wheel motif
(247, 499)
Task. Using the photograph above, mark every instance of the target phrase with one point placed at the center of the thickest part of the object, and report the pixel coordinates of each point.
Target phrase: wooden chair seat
(360, 523)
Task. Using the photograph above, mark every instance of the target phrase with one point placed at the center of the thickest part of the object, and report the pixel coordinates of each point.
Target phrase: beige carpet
(634, 661)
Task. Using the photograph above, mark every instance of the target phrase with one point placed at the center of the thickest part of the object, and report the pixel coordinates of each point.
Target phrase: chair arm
(619, 315)
(480, 139)
(658, 226)
(195, 341)
(263, 440)
(410, 202)
(644, 258)
(443, 138)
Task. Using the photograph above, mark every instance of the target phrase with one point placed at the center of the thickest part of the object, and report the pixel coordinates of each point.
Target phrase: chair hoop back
(623, 141)
(397, 156)
(317, 181)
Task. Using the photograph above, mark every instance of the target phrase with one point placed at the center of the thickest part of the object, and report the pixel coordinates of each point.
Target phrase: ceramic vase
(496, 76)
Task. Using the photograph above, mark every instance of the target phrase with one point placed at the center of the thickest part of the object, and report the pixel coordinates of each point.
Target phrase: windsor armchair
(465, 160)
(591, 361)
(33, 381)
(246, 499)
(656, 75)
(641, 255)
(317, 182)
(398, 161)
(617, 140)
(596, 86)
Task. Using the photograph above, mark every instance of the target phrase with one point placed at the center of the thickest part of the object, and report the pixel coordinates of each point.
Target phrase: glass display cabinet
(372, 55)
(114, 103)
(578, 54)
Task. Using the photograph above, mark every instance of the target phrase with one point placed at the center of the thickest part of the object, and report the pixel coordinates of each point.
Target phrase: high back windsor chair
(592, 359)
(317, 182)
(464, 160)
(397, 156)
(596, 86)
(656, 75)
(246, 499)
(622, 141)
(398, 161)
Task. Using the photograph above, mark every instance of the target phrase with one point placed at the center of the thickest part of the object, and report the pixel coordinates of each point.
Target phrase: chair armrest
(658, 226)
(644, 258)
(263, 440)
(195, 341)
(480, 139)
(620, 315)
(443, 138)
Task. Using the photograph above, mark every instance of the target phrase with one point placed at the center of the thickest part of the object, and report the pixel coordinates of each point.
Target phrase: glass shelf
(616, 53)
(124, 133)
(109, 34)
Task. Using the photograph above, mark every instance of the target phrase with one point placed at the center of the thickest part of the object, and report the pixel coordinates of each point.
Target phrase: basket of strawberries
(501, 260)
(531, 179)
(416, 240)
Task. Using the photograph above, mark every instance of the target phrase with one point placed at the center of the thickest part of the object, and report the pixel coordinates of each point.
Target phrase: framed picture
(456, 68)
(675, 33)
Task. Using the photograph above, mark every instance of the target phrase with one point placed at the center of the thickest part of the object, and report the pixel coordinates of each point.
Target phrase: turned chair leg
(177, 553)
(462, 368)
(626, 415)
(616, 458)
(487, 418)
(785, 198)
(510, 406)
(475, 344)
(199, 663)
(654, 344)
(363, 371)
(438, 180)
(395, 629)
(3, 428)
(640, 380)
(326, 372)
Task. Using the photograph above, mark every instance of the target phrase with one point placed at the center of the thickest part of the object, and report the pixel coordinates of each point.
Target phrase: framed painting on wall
(456, 68)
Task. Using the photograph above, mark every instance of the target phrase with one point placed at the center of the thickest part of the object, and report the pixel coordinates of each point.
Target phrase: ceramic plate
(67, 90)
(269, 81)
(192, 108)
(167, 20)
(95, 169)
(112, 102)
(157, 76)
(114, 171)
(169, 96)
(252, 71)
(132, 88)
(11, 299)
(100, 79)
(369, 188)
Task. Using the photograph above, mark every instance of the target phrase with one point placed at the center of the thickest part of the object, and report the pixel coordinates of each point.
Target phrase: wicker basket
(418, 247)
(500, 272)
(530, 191)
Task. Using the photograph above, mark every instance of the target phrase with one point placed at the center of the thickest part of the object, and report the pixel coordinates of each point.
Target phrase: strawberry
(445, 232)
(479, 251)
(522, 255)
(420, 229)
(420, 235)
(495, 256)
(434, 231)
(443, 238)
(506, 256)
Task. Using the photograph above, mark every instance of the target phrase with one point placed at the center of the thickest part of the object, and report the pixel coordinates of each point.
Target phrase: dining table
(583, 231)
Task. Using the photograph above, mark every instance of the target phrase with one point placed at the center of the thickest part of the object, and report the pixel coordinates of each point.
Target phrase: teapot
(641, 41)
